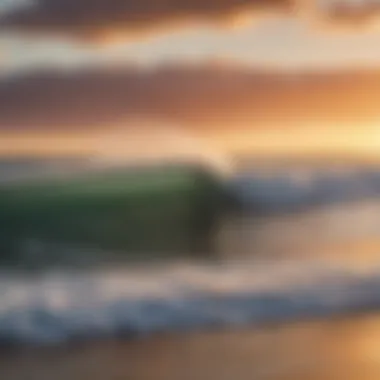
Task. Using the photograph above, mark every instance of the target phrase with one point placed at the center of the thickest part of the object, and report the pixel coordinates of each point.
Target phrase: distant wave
(291, 190)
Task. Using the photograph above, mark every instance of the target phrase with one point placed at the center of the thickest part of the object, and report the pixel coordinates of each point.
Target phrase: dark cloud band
(198, 96)
(83, 17)
(95, 19)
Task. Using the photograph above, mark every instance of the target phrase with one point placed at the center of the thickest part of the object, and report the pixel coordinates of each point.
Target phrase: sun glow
(215, 144)
(363, 142)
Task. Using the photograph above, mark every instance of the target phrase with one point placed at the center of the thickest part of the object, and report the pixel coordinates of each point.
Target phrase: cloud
(105, 20)
(347, 15)
(199, 96)
(104, 17)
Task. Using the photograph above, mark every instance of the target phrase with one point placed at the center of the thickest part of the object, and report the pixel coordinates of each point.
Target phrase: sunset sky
(280, 41)
(218, 64)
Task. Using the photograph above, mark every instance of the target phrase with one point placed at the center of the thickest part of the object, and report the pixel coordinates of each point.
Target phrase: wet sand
(345, 348)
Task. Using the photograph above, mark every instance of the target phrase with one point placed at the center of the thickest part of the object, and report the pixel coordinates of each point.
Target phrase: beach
(332, 349)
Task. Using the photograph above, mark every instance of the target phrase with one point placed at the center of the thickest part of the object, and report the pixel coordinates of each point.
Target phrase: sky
(79, 65)
(280, 41)
(284, 42)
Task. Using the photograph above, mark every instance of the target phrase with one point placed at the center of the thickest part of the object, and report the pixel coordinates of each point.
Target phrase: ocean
(293, 294)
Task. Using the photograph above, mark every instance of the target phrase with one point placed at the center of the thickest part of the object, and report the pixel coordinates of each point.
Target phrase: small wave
(59, 307)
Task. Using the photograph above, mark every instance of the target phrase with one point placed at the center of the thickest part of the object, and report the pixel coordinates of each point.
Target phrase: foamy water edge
(61, 306)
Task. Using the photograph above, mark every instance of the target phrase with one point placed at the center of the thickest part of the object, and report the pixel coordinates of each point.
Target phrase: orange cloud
(208, 96)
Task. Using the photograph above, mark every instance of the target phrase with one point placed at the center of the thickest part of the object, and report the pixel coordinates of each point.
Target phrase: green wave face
(167, 209)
